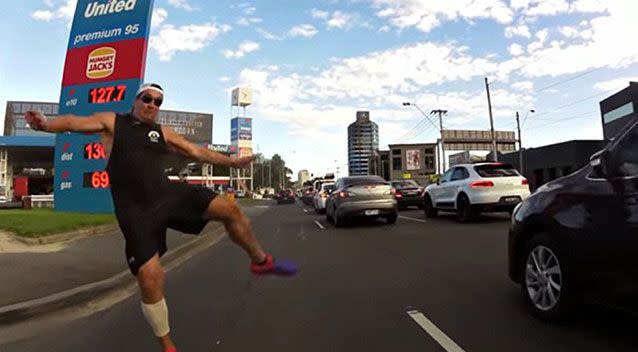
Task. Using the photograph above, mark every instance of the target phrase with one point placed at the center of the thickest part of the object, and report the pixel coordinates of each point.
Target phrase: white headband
(149, 87)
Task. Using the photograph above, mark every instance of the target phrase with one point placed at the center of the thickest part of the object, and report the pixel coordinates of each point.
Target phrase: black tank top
(136, 163)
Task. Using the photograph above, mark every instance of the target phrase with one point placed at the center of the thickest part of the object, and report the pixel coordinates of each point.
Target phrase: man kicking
(146, 203)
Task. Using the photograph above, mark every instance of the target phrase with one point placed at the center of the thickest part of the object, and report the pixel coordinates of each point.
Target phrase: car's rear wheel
(464, 210)
(328, 216)
(392, 219)
(428, 207)
(545, 285)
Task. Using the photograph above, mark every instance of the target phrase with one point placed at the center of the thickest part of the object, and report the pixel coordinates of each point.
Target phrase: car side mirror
(599, 163)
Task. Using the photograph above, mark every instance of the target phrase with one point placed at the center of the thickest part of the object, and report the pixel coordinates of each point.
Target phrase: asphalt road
(353, 293)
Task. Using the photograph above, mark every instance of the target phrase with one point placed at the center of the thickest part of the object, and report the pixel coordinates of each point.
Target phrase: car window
(446, 176)
(460, 173)
(328, 187)
(364, 181)
(625, 158)
(405, 183)
(496, 170)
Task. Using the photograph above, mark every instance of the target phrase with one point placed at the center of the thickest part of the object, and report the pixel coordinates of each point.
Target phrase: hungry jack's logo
(101, 63)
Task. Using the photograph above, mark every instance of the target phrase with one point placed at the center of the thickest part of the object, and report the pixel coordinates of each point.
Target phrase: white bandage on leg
(157, 316)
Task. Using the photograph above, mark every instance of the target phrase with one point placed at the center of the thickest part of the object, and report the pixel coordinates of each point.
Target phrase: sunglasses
(147, 99)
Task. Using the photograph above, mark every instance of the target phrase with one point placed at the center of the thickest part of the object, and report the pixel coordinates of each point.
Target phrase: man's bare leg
(150, 279)
(237, 225)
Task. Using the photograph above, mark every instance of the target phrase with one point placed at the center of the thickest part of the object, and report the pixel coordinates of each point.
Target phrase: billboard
(223, 148)
(195, 127)
(478, 140)
(413, 159)
(245, 152)
(104, 67)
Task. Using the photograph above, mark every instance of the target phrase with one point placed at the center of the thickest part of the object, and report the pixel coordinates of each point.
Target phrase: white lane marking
(413, 219)
(305, 210)
(319, 224)
(433, 331)
(262, 206)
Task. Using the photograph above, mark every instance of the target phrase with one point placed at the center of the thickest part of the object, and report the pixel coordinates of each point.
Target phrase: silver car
(361, 196)
(319, 201)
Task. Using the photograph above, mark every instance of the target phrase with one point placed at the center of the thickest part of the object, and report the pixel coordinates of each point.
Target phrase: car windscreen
(329, 187)
(356, 181)
(496, 170)
(404, 184)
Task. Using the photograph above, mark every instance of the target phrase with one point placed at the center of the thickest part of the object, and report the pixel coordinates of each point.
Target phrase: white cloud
(319, 14)
(182, 4)
(247, 21)
(340, 20)
(384, 29)
(250, 10)
(224, 79)
(541, 37)
(600, 50)
(426, 15)
(548, 8)
(515, 49)
(521, 30)
(615, 84)
(526, 86)
(244, 48)
(64, 11)
(171, 39)
(158, 18)
(267, 35)
(303, 30)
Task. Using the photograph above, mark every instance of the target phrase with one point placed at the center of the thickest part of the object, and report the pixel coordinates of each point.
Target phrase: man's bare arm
(182, 145)
(95, 123)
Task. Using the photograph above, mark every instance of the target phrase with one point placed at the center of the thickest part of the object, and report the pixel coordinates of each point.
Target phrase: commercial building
(547, 163)
(363, 142)
(27, 156)
(302, 177)
(618, 110)
(412, 161)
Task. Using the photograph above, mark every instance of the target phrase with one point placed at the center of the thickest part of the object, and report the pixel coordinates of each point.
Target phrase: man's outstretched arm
(182, 145)
(69, 123)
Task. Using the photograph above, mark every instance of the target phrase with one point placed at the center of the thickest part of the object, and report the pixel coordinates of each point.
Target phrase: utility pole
(441, 113)
(489, 105)
(520, 145)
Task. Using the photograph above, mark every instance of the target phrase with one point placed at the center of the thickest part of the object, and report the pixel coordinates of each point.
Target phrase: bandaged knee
(157, 316)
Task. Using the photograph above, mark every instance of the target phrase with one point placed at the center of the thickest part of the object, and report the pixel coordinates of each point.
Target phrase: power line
(578, 116)
(569, 79)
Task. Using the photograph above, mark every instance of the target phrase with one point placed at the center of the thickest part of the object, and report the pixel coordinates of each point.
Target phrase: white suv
(469, 189)
(319, 201)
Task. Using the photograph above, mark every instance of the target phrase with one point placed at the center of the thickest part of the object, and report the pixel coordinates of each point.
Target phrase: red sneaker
(276, 267)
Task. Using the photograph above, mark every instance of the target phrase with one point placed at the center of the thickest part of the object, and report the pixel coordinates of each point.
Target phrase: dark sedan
(408, 193)
(285, 197)
(576, 239)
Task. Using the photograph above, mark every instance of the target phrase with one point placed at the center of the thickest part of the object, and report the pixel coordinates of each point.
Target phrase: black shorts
(181, 208)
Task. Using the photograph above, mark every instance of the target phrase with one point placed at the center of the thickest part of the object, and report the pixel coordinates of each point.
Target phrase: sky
(313, 64)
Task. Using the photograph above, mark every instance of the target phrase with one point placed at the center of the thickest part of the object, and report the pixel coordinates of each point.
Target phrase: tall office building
(363, 142)
(302, 177)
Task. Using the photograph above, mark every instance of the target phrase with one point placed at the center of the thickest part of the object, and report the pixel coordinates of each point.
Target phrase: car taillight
(344, 194)
(524, 182)
(323, 194)
(398, 194)
(479, 184)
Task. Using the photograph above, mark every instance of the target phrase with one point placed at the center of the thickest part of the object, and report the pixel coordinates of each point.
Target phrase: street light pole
(440, 113)
(520, 141)
(489, 106)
